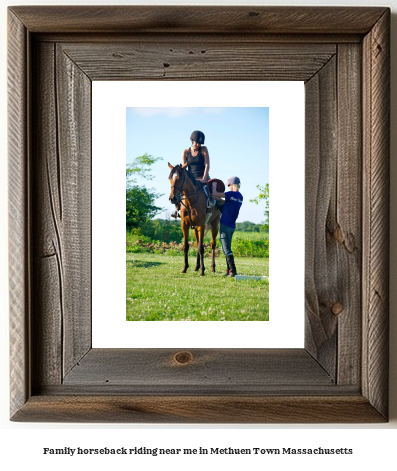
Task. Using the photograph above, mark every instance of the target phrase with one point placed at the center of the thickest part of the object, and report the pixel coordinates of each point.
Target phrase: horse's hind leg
(198, 255)
(214, 233)
(213, 246)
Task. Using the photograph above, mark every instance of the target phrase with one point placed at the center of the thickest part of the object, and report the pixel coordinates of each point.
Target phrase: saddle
(220, 185)
(208, 191)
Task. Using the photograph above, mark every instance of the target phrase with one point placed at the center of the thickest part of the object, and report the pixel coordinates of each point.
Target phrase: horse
(190, 193)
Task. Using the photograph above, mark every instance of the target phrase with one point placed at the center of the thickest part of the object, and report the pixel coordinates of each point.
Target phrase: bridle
(182, 196)
(181, 187)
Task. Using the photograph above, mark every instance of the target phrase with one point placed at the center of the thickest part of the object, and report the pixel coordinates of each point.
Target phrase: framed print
(342, 56)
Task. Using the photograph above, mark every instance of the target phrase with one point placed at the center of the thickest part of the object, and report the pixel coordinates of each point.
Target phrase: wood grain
(62, 205)
(74, 125)
(197, 19)
(321, 277)
(347, 226)
(207, 368)
(18, 223)
(48, 298)
(333, 215)
(216, 59)
(341, 375)
(199, 409)
(376, 92)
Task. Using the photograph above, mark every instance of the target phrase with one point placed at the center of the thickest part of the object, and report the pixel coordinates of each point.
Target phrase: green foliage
(140, 201)
(141, 167)
(156, 290)
(263, 195)
(245, 247)
(244, 244)
(140, 205)
(163, 229)
(247, 226)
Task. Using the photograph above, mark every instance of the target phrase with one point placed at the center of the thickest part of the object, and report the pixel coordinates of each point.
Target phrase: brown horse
(190, 193)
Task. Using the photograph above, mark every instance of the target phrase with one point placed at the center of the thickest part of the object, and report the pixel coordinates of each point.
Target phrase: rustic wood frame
(343, 56)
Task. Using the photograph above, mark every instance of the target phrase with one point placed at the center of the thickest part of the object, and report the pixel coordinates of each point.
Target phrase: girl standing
(233, 200)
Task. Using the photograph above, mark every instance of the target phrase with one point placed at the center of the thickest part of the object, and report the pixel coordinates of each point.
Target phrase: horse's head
(177, 178)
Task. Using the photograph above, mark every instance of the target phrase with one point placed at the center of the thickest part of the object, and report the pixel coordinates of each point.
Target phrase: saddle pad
(220, 187)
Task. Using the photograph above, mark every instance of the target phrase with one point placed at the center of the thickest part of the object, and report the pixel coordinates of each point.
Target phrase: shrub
(250, 248)
(166, 232)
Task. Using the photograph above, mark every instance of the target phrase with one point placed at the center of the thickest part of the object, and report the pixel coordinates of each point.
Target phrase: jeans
(226, 234)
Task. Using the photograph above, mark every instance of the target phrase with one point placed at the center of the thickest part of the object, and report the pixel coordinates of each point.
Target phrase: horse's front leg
(185, 230)
(200, 249)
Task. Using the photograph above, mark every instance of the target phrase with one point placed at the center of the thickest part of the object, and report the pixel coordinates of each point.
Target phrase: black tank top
(196, 164)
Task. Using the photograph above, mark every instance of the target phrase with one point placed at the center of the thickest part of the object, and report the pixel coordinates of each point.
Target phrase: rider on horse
(198, 161)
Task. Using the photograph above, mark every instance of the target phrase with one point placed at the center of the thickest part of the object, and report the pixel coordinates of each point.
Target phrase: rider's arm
(206, 156)
(184, 157)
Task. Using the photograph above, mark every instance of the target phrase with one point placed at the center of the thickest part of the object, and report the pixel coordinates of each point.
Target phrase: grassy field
(157, 290)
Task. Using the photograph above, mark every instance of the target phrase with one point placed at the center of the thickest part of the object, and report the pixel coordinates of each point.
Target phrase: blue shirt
(233, 202)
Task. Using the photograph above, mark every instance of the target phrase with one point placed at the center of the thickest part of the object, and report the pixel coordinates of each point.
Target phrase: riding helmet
(197, 136)
(233, 181)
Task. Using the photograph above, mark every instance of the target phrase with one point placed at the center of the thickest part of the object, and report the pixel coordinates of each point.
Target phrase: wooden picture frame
(342, 54)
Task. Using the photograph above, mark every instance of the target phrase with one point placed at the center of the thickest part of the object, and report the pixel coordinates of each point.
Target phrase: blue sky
(237, 140)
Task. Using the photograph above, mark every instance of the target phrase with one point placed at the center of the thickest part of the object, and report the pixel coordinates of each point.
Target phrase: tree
(263, 195)
(141, 167)
(140, 201)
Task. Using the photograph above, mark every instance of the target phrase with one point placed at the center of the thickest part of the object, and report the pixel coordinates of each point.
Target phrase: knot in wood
(338, 235)
(183, 358)
(337, 308)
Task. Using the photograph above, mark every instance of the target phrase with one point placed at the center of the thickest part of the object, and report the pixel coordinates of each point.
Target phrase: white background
(374, 445)
(286, 111)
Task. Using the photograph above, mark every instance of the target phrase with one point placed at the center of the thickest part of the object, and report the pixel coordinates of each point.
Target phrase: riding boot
(227, 269)
(176, 214)
(230, 261)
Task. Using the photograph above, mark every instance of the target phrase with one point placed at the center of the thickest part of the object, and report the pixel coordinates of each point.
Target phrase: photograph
(197, 214)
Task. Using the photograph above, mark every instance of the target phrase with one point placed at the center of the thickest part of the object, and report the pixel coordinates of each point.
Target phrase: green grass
(157, 290)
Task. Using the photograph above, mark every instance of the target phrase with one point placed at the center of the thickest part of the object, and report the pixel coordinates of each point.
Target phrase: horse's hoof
(183, 271)
(197, 269)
